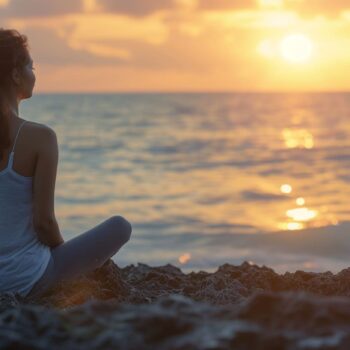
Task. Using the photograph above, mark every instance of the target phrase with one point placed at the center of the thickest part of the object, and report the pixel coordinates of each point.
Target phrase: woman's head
(16, 75)
(17, 78)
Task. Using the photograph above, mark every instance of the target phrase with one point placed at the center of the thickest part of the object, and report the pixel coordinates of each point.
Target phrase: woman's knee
(123, 226)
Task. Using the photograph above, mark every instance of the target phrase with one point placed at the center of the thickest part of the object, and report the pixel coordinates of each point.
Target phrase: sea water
(206, 178)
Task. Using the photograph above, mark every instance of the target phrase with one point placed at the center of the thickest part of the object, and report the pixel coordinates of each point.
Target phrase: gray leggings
(84, 253)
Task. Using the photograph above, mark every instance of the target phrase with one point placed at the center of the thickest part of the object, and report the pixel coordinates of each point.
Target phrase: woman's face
(26, 80)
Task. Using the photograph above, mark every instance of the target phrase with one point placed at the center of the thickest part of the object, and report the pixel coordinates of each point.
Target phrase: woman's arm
(44, 219)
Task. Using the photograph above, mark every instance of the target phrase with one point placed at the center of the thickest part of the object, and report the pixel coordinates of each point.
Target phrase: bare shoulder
(40, 135)
(38, 128)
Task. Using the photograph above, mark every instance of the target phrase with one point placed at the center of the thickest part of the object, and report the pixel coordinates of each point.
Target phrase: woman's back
(23, 258)
(25, 150)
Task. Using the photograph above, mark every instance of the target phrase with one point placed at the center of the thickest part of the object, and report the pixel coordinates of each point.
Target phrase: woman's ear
(16, 76)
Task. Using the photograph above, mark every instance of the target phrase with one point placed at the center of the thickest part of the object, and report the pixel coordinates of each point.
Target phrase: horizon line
(192, 92)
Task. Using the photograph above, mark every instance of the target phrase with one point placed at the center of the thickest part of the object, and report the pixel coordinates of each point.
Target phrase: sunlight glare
(271, 3)
(296, 48)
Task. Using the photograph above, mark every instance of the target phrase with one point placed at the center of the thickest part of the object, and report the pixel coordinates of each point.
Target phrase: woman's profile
(33, 253)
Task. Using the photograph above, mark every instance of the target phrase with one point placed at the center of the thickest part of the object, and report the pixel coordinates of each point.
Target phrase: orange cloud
(58, 52)
(226, 4)
(90, 38)
(303, 7)
(183, 46)
(136, 8)
(39, 8)
(316, 7)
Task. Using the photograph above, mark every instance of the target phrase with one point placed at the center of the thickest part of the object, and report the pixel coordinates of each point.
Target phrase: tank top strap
(12, 152)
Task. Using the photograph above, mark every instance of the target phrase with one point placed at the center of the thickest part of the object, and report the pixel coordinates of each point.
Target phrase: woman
(33, 254)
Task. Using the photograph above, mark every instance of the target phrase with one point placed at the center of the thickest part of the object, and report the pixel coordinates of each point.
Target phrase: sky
(185, 45)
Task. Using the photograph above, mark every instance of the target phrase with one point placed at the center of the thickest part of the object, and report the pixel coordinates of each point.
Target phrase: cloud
(140, 8)
(97, 27)
(56, 50)
(203, 54)
(317, 7)
(136, 8)
(303, 7)
(226, 4)
(40, 8)
(70, 40)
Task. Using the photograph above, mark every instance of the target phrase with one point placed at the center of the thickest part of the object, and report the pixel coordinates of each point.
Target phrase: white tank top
(23, 258)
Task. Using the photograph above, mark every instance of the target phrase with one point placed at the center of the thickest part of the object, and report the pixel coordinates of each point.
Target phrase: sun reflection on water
(291, 226)
(286, 188)
(303, 218)
(184, 258)
(298, 138)
(300, 201)
(301, 214)
(310, 265)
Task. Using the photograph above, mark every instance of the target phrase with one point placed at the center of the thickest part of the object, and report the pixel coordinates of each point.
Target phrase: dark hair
(13, 54)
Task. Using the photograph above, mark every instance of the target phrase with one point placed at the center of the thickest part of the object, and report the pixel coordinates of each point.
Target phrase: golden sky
(185, 45)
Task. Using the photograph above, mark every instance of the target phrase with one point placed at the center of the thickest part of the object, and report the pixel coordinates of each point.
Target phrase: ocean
(206, 178)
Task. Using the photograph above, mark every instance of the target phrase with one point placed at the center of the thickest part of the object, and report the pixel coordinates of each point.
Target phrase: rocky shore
(143, 307)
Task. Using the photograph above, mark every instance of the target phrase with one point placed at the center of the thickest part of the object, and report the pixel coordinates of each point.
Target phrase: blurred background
(218, 128)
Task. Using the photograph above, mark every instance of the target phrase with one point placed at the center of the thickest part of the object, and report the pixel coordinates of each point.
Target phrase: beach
(244, 306)
(219, 131)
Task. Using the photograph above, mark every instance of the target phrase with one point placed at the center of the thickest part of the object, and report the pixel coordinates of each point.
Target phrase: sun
(296, 48)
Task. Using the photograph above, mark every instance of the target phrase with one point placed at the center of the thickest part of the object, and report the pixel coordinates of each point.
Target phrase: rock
(144, 307)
